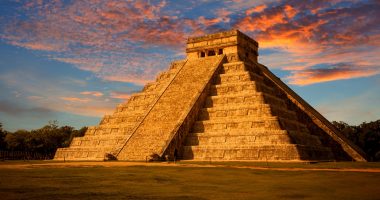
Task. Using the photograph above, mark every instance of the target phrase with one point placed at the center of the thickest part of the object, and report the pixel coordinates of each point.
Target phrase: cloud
(75, 99)
(92, 93)
(335, 72)
(34, 97)
(330, 25)
(86, 64)
(14, 109)
(103, 37)
(131, 41)
(56, 96)
(120, 95)
(256, 9)
(317, 32)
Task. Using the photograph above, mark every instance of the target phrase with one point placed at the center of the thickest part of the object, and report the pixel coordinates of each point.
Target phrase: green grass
(148, 182)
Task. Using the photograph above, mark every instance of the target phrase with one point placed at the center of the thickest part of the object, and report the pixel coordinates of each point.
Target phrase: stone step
(139, 96)
(113, 136)
(80, 153)
(143, 97)
(238, 77)
(91, 130)
(259, 110)
(304, 138)
(117, 119)
(235, 141)
(242, 137)
(271, 123)
(239, 88)
(234, 67)
(137, 102)
(240, 132)
(291, 124)
(128, 113)
(77, 141)
(177, 64)
(141, 102)
(166, 76)
(151, 87)
(246, 98)
(117, 125)
(258, 152)
(283, 112)
(249, 121)
(96, 142)
(141, 107)
(106, 129)
(157, 86)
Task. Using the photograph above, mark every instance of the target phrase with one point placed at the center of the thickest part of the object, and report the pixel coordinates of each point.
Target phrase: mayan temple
(217, 104)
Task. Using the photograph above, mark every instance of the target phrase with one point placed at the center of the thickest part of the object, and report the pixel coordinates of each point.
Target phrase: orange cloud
(110, 38)
(223, 15)
(312, 76)
(208, 22)
(75, 99)
(290, 11)
(93, 93)
(87, 64)
(256, 9)
(136, 79)
(331, 35)
(120, 95)
(36, 45)
(266, 20)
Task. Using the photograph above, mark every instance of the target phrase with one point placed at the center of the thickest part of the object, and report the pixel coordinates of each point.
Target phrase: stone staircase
(155, 132)
(242, 119)
(115, 129)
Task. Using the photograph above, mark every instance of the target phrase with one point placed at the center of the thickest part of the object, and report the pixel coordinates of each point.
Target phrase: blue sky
(74, 61)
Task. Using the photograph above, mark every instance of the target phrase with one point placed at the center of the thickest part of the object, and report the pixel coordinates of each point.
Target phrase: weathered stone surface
(114, 130)
(158, 127)
(218, 104)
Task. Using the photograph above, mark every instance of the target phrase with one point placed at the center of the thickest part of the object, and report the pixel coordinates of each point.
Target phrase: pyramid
(217, 104)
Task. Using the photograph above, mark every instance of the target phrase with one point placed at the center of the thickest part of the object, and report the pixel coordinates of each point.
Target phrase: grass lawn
(182, 182)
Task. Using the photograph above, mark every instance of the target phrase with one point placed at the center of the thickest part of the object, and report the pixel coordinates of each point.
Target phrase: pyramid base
(289, 152)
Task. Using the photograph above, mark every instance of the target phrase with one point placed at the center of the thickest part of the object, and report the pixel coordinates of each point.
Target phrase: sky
(75, 61)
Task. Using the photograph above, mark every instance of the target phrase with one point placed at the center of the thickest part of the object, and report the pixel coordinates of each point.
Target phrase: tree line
(366, 136)
(42, 141)
(47, 139)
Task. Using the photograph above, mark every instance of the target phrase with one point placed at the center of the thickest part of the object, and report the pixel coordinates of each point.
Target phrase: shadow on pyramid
(218, 104)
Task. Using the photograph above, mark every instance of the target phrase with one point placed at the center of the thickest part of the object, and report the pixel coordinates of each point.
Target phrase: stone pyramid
(217, 104)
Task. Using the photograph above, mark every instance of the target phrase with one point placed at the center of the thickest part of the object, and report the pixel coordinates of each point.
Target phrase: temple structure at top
(231, 42)
(217, 104)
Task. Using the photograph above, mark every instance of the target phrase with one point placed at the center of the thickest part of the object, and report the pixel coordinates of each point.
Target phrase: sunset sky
(75, 60)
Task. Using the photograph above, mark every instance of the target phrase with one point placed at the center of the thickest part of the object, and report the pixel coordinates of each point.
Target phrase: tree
(366, 136)
(47, 139)
(44, 140)
(17, 141)
(75, 133)
(3, 133)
